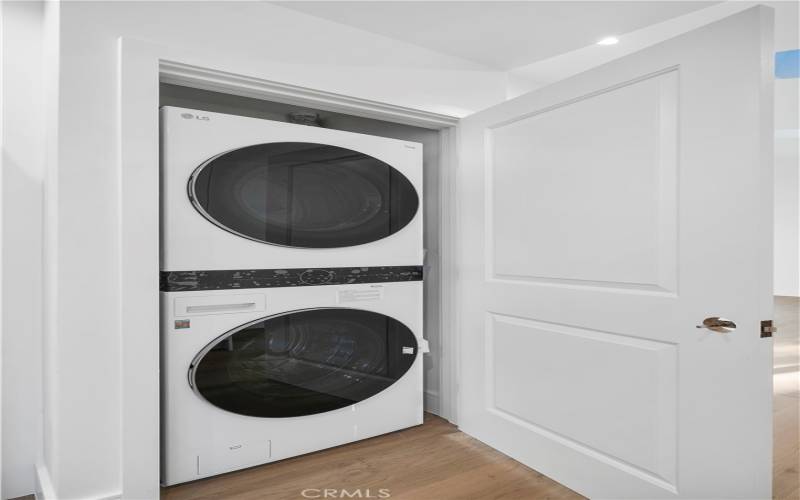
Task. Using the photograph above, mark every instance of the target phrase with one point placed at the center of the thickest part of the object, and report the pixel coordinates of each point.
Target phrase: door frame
(141, 67)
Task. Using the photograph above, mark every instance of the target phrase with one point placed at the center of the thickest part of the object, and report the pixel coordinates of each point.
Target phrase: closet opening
(438, 398)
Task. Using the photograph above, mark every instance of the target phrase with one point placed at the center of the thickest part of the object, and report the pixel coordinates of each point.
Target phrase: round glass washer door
(303, 362)
(302, 194)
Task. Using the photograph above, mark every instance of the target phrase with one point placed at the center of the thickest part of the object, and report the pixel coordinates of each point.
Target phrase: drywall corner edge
(44, 485)
(46, 491)
(137, 176)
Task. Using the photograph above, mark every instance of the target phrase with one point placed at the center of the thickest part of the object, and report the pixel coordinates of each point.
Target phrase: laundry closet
(557, 251)
(300, 284)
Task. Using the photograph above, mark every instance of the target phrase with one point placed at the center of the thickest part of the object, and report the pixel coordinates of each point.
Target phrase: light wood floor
(786, 400)
(437, 462)
(432, 461)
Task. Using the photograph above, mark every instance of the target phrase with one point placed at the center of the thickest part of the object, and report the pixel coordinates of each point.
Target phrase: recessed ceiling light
(609, 40)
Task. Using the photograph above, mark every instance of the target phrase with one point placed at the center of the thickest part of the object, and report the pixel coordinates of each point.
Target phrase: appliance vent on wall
(305, 118)
(363, 295)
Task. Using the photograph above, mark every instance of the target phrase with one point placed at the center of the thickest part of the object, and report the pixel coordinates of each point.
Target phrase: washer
(254, 375)
(246, 193)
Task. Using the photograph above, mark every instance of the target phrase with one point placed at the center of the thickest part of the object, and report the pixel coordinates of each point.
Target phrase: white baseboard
(432, 404)
(43, 484)
(113, 496)
(46, 491)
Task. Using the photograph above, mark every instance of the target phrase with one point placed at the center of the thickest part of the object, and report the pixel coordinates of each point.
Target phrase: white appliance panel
(197, 436)
(203, 234)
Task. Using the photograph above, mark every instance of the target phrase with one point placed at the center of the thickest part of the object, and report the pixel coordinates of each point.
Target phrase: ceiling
(501, 35)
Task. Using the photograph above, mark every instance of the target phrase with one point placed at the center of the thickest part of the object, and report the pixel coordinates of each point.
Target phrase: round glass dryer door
(302, 194)
(304, 362)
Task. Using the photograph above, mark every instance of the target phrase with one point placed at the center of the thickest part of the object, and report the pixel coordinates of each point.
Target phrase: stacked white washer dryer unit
(291, 290)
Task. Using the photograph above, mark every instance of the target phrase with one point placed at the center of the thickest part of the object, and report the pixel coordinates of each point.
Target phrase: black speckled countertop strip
(189, 281)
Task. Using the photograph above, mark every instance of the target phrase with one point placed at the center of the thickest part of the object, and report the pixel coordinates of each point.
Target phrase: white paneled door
(601, 219)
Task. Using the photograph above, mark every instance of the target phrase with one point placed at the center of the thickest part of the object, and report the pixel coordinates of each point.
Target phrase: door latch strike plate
(767, 329)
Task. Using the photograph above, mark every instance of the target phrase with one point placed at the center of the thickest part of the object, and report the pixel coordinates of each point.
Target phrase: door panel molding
(660, 388)
(660, 273)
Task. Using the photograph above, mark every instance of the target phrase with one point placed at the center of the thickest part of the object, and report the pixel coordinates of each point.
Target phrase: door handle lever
(717, 324)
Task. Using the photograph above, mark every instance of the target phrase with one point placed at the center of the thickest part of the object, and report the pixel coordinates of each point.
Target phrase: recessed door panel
(614, 396)
(593, 201)
(302, 194)
(303, 362)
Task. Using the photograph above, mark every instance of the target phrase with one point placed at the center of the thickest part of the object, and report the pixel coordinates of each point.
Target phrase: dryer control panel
(186, 281)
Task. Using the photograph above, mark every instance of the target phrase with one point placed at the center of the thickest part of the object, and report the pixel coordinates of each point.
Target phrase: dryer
(247, 193)
(254, 375)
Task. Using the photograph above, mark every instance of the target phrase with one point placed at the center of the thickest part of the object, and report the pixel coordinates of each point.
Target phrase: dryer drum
(302, 194)
(303, 362)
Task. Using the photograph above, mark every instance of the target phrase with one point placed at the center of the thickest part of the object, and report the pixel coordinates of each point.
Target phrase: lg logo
(189, 116)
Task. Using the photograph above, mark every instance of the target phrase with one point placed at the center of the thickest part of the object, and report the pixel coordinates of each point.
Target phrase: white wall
(82, 379)
(787, 157)
(2, 148)
(787, 187)
(50, 331)
(23, 174)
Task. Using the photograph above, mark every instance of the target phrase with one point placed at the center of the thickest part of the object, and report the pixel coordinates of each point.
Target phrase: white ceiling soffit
(562, 66)
(500, 35)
